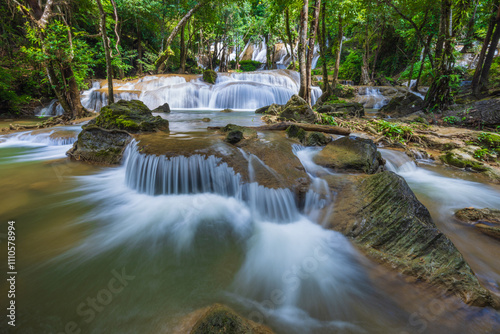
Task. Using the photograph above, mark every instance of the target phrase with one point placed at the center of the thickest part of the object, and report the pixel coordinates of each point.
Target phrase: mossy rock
(132, 116)
(455, 160)
(227, 110)
(273, 110)
(100, 146)
(219, 319)
(293, 131)
(165, 108)
(385, 219)
(351, 155)
(234, 136)
(247, 132)
(209, 76)
(297, 109)
(316, 139)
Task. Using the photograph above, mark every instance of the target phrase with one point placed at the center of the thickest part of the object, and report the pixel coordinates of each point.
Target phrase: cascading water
(371, 98)
(53, 109)
(246, 91)
(196, 199)
(41, 145)
(451, 193)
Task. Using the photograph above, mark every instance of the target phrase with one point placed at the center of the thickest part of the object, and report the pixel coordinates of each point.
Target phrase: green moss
(456, 161)
(209, 76)
(293, 131)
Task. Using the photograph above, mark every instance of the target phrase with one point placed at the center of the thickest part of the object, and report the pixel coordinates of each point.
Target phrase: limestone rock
(131, 116)
(163, 108)
(351, 155)
(100, 146)
(297, 109)
(383, 217)
(403, 106)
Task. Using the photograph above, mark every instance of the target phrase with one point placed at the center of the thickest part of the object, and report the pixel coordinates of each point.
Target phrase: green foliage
(494, 77)
(483, 154)
(249, 65)
(451, 120)
(425, 78)
(350, 69)
(395, 131)
(57, 49)
(328, 120)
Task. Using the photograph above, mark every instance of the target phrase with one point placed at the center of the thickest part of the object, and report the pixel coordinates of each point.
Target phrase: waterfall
(158, 175)
(245, 91)
(371, 98)
(53, 109)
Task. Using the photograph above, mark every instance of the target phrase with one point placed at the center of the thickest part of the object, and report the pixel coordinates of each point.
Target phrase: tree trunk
(480, 79)
(289, 34)
(377, 51)
(365, 67)
(326, 85)
(422, 62)
(304, 14)
(439, 94)
(340, 38)
(310, 51)
(160, 62)
(107, 52)
(182, 67)
(73, 93)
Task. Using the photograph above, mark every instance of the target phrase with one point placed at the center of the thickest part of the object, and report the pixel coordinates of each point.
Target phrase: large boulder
(132, 116)
(218, 319)
(403, 105)
(351, 155)
(342, 109)
(385, 219)
(104, 139)
(101, 146)
(298, 110)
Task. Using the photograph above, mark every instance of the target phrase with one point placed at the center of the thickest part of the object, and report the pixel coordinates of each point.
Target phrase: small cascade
(398, 162)
(371, 98)
(244, 91)
(319, 195)
(53, 109)
(158, 175)
(38, 145)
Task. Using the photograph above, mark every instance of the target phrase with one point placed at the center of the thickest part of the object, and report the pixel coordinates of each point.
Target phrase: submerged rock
(219, 319)
(351, 155)
(227, 110)
(163, 108)
(98, 145)
(403, 105)
(234, 136)
(297, 109)
(209, 76)
(132, 116)
(383, 216)
(485, 220)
